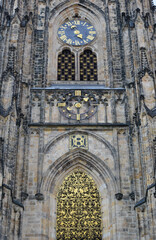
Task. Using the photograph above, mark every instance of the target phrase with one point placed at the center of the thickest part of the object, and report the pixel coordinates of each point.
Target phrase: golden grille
(88, 66)
(78, 209)
(66, 66)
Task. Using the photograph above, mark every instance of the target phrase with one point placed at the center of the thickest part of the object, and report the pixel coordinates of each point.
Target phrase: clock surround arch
(101, 39)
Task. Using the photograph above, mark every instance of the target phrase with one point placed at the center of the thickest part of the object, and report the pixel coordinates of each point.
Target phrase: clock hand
(80, 36)
(77, 32)
(72, 27)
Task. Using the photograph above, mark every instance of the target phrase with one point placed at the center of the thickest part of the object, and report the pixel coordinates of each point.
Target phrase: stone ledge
(78, 124)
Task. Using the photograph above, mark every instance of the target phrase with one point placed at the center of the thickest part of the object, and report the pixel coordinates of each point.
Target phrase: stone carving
(7, 92)
(78, 141)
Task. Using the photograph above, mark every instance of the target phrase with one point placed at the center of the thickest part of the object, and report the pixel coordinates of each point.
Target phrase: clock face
(78, 105)
(77, 33)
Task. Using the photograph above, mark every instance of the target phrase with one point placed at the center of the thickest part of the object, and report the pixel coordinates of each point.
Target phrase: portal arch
(92, 166)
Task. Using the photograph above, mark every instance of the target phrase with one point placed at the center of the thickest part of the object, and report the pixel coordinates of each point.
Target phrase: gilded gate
(78, 208)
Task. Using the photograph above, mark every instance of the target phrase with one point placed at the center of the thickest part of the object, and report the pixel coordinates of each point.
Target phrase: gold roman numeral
(69, 23)
(63, 38)
(90, 27)
(77, 42)
(85, 41)
(92, 32)
(69, 41)
(90, 37)
(77, 22)
(61, 32)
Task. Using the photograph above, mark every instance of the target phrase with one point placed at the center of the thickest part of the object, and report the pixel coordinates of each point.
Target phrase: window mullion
(77, 67)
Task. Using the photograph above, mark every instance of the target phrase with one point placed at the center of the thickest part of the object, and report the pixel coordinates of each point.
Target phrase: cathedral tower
(77, 120)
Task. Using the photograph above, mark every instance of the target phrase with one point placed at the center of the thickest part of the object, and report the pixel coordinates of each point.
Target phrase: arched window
(78, 208)
(88, 66)
(66, 66)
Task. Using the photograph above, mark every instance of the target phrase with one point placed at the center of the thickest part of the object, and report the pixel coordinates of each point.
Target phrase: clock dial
(77, 33)
(78, 105)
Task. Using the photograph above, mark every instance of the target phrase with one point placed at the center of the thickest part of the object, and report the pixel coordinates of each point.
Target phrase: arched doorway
(101, 175)
(78, 208)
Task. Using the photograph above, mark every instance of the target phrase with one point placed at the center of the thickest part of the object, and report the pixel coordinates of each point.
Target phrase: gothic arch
(110, 162)
(93, 14)
(67, 10)
(92, 166)
(98, 137)
(65, 5)
(78, 157)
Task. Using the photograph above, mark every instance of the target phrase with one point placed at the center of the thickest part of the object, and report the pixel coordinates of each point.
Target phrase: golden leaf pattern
(78, 208)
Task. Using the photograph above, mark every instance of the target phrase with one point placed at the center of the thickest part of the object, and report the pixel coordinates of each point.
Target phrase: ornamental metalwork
(66, 66)
(78, 209)
(78, 105)
(88, 66)
(78, 141)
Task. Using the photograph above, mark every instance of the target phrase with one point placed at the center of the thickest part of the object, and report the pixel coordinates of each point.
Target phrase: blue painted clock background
(77, 33)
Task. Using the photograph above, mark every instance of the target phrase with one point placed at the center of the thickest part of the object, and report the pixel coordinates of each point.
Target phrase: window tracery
(66, 66)
(88, 66)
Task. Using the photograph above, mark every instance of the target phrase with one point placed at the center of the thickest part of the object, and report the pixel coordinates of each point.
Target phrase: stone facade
(35, 133)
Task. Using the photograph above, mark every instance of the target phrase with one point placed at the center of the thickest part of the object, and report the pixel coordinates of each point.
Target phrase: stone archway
(101, 175)
(86, 10)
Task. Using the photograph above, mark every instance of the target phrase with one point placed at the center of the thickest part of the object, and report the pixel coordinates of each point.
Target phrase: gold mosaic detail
(66, 66)
(78, 141)
(88, 66)
(78, 209)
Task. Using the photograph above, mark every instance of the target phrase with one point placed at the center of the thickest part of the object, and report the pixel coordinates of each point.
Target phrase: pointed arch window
(66, 66)
(88, 66)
